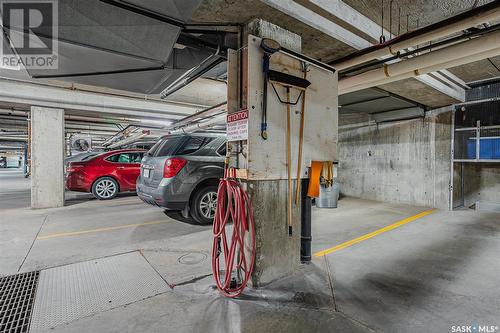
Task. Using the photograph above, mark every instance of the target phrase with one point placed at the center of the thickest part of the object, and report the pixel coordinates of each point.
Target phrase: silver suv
(182, 172)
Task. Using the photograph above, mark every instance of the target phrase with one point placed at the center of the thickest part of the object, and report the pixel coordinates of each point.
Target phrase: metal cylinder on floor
(305, 233)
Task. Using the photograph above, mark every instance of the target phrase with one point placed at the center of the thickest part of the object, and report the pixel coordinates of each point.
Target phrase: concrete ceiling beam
(433, 80)
(356, 21)
(342, 11)
(13, 91)
(452, 78)
(318, 22)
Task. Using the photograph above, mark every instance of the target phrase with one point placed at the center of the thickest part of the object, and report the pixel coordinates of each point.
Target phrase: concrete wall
(400, 162)
(47, 157)
(481, 183)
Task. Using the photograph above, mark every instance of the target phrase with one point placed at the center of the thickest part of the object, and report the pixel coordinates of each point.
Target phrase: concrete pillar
(277, 253)
(263, 162)
(47, 157)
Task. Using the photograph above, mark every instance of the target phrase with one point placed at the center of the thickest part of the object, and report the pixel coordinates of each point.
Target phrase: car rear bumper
(161, 196)
(77, 182)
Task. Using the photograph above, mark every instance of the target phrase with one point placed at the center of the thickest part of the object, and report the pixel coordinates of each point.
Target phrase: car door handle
(120, 168)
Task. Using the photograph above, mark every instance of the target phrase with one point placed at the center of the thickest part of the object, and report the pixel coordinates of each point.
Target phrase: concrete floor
(14, 189)
(20, 226)
(427, 275)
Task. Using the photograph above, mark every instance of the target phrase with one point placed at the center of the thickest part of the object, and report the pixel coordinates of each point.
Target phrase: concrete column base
(277, 254)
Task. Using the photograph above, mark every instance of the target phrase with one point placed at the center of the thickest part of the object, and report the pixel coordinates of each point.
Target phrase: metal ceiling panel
(103, 44)
(374, 100)
(75, 59)
(101, 25)
(178, 9)
(409, 113)
(141, 75)
(142, 82)
(362, 95)
(381, 104)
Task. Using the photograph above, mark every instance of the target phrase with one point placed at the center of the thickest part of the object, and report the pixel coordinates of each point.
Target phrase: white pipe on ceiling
(450, 29)
(12, 138)
(129, 140)
(448, 64)
(217, 120)
(469, 51)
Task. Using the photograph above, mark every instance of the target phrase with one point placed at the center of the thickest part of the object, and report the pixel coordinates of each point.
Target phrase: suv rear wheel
(105, 188)
(203, 205)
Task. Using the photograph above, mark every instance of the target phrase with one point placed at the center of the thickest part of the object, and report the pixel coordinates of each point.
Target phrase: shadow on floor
(176, 215)
(74, 198)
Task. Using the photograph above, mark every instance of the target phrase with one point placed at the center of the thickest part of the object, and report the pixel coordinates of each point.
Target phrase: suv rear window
(153, 149)
(193, 144)
(168, 146)
(180, 145)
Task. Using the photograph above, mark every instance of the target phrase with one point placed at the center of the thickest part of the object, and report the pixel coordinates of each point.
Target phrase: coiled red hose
(236, 247)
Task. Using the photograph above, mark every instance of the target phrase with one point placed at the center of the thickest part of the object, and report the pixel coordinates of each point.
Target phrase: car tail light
(173, 166)
(73, 168)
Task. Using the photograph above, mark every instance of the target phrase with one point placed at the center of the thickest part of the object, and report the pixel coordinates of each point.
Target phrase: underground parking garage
(250, 166)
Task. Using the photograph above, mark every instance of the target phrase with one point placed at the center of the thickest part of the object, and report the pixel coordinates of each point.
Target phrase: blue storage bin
(489, 148)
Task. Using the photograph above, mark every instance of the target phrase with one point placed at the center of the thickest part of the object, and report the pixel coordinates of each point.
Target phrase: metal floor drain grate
(17, 296)
(70, 292)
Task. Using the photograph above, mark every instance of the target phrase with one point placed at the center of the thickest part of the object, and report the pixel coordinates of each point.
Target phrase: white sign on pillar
(237, 126)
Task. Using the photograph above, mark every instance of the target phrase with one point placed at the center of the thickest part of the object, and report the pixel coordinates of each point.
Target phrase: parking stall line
(373, 233)
(90, 231)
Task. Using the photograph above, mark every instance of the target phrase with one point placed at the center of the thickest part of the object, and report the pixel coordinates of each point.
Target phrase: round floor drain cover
(192, 258)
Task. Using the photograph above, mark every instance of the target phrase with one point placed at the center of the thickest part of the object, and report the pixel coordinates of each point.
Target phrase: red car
(106, 174)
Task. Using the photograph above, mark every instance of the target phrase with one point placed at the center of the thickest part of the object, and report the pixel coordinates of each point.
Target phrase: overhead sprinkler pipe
(189, 76)
(479, 15)
(14, 138)
(129, 140)
(478, 48)
(214, 121)
(209, 112)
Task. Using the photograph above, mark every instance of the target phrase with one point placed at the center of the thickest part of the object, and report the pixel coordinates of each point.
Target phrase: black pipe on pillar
(305, 222)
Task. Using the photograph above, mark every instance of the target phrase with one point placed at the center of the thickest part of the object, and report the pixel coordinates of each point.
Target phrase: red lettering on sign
(240, 115)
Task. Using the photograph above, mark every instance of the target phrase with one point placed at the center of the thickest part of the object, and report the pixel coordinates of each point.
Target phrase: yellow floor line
(76, 233)
(373, 234)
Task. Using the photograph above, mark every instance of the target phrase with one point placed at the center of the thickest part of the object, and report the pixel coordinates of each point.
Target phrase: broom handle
(289, 162)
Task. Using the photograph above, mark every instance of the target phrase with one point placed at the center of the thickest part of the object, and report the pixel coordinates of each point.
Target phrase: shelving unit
(473, 144)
